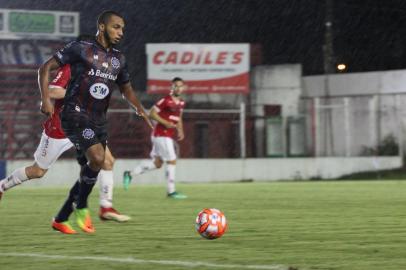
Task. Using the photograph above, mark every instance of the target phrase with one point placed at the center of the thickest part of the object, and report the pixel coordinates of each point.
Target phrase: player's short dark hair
(177, 79)
(105, 16)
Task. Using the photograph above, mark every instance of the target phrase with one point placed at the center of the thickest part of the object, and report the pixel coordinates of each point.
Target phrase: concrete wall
(365, 83)
(376, 107)
(280, 84)
(65, 172)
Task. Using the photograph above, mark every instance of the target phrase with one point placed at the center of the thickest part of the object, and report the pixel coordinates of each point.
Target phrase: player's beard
(108, 38)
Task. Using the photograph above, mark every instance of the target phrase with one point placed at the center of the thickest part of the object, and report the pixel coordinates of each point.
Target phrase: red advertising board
(206, 68)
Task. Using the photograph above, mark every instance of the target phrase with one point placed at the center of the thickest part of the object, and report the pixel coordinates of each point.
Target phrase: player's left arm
(128, 92)
(56, 92)
(179, 128)
(43, 82)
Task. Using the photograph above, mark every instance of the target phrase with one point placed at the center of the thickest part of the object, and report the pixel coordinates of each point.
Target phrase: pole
(316, 105)
(347, 127)
(242, 130)
(328, 55)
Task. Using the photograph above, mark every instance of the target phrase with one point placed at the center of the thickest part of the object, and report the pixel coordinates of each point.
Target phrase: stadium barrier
(65, 172)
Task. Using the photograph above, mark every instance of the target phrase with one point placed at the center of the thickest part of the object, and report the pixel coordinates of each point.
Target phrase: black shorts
(82, 131)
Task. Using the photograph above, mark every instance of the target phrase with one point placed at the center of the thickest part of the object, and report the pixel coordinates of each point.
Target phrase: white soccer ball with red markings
(211, 223)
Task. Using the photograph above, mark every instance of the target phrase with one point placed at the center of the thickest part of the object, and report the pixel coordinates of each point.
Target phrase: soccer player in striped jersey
(96, 68)
(53, 143)
(167, 112)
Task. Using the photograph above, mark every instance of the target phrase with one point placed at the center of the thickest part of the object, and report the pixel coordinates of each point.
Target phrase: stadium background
(304, 120)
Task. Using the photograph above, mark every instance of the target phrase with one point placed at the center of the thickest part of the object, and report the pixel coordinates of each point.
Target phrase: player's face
(178, 88)
(114, 30)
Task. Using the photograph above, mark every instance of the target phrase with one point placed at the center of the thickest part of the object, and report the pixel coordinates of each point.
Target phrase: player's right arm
(154, 115)
(43, 82)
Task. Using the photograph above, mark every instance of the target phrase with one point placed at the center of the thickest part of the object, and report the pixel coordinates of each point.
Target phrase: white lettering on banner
(45, 52)
(99, 90)
(24, 52)
(202, 65)
(200, 58)
(27, 54)
(7, 55)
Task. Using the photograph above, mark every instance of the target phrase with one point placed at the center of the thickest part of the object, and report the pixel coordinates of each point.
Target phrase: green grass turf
(307, 225)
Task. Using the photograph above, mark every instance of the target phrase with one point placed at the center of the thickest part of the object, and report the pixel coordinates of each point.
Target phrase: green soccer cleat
(127, 179)
(177, 195)
(84, 221)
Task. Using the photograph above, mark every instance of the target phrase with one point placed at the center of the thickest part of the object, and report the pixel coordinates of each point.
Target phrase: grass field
(302, 225)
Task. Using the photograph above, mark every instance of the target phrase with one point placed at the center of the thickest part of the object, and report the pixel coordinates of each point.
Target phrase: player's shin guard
(88, 179)
(145, 166)
(105, 179)
(16, 178)
(67, 208)
(170, 177)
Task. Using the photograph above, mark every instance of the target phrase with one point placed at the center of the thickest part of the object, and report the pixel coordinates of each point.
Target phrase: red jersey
(52, 126)
(170, 110)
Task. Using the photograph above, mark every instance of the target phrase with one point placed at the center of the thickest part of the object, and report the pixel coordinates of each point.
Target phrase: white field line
(130, 260)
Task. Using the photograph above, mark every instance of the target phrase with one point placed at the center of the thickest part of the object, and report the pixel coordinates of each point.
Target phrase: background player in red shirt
(167, 112)
(53, 143)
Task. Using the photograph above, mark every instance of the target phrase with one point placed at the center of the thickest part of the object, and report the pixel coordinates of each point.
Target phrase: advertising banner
(206, 68)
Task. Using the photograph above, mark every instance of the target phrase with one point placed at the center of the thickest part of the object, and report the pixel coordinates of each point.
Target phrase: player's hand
(141, 112)
(47, 107)
(169, 125)
(146, 118)
(181, 135)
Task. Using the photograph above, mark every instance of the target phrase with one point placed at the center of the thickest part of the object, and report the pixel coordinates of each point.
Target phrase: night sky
(368, 35)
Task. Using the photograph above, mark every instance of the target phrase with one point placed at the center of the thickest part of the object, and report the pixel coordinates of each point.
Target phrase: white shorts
(164, 148)
(49, 150)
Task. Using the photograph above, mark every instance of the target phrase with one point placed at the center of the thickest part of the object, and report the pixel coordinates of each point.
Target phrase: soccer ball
(211, 223)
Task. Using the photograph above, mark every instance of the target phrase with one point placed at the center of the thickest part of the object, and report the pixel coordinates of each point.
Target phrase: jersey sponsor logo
(88, 133)
(160, 101)
(99, 90)
(58, 76)
(115, 62)
(174, 117)
(104, 75)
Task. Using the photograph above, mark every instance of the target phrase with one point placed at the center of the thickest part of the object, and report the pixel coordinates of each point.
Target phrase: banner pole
(242, 130)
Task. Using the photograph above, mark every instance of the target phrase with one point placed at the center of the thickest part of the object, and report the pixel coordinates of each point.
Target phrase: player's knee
(172, 162)
(97, 161)
(35, 171)
(41, 173)
(158, 163)
(108, 163)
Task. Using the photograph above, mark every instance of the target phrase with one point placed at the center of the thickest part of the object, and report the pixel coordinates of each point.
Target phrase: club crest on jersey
(88, 133)
(99, 90)
(115, 62)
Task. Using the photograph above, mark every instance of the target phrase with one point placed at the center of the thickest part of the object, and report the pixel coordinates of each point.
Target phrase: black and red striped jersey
(95, 71)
